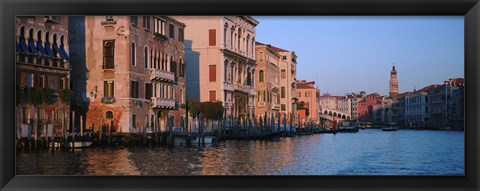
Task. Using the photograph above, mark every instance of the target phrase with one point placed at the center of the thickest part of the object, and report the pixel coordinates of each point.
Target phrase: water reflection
(369, 152)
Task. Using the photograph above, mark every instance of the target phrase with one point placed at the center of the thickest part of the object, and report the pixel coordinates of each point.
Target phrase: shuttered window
(212, 37)
(213, 96)
(212, 73)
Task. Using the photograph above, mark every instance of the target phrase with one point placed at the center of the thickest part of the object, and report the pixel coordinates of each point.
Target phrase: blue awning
(49, 50)
(55, 47)
(63, 53)
(41, 49)
(24, 47)
(32, 47)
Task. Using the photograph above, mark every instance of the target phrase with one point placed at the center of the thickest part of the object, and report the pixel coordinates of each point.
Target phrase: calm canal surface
(368, 152)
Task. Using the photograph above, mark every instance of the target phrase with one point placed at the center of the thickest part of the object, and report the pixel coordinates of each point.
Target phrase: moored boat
(349, 126)
(390, 127)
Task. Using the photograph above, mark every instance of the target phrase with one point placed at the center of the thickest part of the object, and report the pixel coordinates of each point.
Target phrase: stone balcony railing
(261, 104)
(275, 106)
(228, 86)
(163, 103)
(162, 75)
(275, 87)
(242, 88)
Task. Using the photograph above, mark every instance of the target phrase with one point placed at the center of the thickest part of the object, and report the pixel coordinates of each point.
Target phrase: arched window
(145, 57)
(260, 76)
(31, 44)
(48, 47)
(225, 35)
(239, 37)
(109, 115)
(132, 54)
(40, 43)
(283, 91)
(54, 45)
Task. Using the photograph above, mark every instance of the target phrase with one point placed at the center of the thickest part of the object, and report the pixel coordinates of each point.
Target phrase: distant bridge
(331, 114)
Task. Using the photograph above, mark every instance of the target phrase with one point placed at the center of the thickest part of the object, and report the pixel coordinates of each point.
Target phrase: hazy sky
(349, 54)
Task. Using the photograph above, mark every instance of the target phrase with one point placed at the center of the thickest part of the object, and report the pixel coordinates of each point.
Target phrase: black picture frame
(9, 9)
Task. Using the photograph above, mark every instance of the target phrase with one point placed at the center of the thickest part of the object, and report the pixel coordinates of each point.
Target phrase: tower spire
(393, 84)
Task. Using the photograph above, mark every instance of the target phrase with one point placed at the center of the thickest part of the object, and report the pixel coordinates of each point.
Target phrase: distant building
(267, 81)
(456, 115)
(129, 72)
(220, 52)
(398, 109)
(441, 104)
(288, 77)
(309, 95)
(416, 108)
(42, 66)
(365, 107)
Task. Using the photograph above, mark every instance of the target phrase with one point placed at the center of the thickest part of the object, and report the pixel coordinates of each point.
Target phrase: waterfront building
(128, 72)
(416, 108)
(220, 52)
(42, 69)
(267, 81)
(440, 105)
(310, 95)
(398, 109)
(382, 111)
(365, 107)
(288, 77)
(393, 83)
(456, 115)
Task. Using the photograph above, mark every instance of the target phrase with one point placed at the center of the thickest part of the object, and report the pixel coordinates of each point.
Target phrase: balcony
(261, 104)
(163, 103)
(276, 106)
(162, 75)
(242, 88)
(228, 86)
(275, 87)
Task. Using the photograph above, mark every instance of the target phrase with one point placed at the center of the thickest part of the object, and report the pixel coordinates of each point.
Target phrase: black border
(10, 8)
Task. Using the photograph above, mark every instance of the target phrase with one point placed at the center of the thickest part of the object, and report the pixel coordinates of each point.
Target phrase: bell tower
(393, 89)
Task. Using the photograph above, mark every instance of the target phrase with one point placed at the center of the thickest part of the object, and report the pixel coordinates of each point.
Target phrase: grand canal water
(368, 152)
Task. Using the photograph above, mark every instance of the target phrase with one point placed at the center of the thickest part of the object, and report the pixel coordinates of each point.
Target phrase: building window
(181, 34)
(172, 31)
(148, 91)
(146, 22)
(299, 94)
(212, 37)
(108, 87)
(61, 83)
(284, 57)
(283, 107)
(284, 74)
(307, 94)
(134, 20)
(26, 115)
(158, 26)
(109, 115)
(108, 54)
(282, 92)
(145, 57)
(260, 56)
(134, 89)
(134, 121)
(260, 76)
(132, 54)
(213, 95)
(58, 116)
(212, 73)
(40, 81)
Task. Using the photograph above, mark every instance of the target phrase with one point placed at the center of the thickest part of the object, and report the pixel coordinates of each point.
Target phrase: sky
(344, 54)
